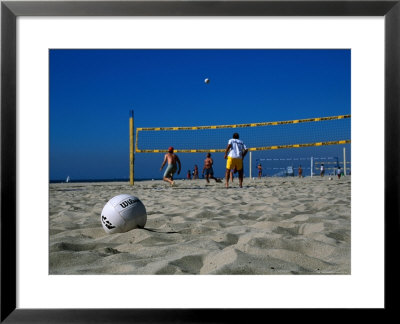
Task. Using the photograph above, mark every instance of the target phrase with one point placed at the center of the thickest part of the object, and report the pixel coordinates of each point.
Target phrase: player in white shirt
(235, 153)
(339, 172)
(322, 170)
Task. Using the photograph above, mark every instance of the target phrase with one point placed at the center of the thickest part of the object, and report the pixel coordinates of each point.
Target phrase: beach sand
(270, 226)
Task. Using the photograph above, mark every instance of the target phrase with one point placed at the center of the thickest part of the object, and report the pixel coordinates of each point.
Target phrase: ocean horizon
(99, 180)
(280, 175)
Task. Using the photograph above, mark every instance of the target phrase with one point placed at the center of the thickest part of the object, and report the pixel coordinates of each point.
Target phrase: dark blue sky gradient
(92, 92)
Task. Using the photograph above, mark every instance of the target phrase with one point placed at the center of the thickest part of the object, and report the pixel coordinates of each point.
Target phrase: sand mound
(271, 226)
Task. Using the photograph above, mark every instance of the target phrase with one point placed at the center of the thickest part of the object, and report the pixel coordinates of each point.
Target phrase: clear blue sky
(92, 92)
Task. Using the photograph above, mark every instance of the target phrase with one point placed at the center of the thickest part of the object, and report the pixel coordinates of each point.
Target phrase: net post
(344, 161)
(250, 161)
(312, 166)
(131, 153)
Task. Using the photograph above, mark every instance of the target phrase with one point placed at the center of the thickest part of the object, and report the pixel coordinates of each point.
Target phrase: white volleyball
(123, 213)
(206, 80)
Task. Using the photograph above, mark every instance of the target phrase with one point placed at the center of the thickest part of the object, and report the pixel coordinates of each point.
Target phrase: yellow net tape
(308, 120)
(277, 147)
(274, 147)
(258, 148)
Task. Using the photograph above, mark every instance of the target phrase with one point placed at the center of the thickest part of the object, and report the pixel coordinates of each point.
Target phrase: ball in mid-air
(123, 213)
(206, 80)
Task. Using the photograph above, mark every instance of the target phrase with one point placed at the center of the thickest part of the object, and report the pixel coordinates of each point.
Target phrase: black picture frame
(10, 10)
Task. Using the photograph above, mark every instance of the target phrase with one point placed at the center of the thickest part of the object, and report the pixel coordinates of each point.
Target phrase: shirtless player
(173, 161)
(208, 162)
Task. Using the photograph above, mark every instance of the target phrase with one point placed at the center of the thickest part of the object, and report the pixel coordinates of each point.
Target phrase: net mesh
(259, 136)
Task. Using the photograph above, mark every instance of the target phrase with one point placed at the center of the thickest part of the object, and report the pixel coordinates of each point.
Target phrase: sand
(270, 226)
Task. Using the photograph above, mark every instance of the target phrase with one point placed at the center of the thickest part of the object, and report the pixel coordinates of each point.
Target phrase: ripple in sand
(340, 236)
(188, 264)
(225, 240)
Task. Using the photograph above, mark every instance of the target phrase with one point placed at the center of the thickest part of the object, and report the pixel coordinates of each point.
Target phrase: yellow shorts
(234, 163)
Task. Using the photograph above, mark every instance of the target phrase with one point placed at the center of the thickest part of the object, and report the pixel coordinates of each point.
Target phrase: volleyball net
(309, 165)
(311, 132)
